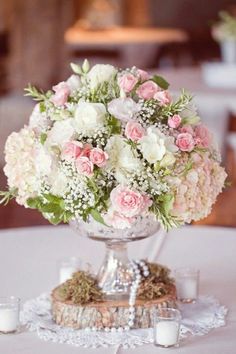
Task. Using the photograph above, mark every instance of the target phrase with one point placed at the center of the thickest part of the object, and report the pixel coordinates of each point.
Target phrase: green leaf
(34, 203)
(114, 125)
(43, 138)
(76, 68)
(97, 216)
(161, 82)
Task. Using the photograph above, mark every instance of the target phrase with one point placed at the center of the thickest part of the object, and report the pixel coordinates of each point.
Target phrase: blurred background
(39, 38)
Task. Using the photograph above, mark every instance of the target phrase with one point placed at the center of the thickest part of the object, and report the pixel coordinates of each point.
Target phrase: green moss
(81, 289)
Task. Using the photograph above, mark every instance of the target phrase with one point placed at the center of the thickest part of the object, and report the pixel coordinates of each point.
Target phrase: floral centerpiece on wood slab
(115, 146)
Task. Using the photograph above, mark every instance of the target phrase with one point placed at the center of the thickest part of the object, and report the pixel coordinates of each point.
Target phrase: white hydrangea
(26, 163)
(101, 73)
(89, 117)
(38, 121)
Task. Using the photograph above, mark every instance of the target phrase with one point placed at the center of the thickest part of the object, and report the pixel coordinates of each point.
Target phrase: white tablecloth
(29, 267)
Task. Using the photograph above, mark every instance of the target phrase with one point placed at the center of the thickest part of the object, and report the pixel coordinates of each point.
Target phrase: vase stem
(115, 276)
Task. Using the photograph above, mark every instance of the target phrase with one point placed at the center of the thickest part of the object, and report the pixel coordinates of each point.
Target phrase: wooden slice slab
(108, 313)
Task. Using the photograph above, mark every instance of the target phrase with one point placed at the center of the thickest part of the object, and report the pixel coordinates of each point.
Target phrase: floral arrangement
(225, 29)
(113, 145)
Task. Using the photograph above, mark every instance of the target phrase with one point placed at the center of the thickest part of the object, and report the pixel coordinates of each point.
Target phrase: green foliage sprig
(6, 196)
(37, 95)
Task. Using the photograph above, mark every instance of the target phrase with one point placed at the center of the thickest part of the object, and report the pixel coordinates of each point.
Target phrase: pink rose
(134, 131)
(185, 142)
(71, 150)
(84, 166)
(116, 220)
(174, 121)
(187, 129)
(147, 90)
(86, 150)
(128, 202)
(98, 157)
(143, 75)
(127, 82)
(203, 137)
(62, 92)
(163, 97)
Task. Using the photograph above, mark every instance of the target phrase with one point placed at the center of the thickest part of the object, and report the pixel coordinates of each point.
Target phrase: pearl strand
(139, 268)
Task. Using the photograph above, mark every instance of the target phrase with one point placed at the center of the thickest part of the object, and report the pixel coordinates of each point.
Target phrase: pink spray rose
(71, 150)
(187, 129)
(98, 157)
(174, 121)
(134, 131)
(128, 202)
(84, 166)
(143, 75)
(147, 90)
(62, 92)
(127, 82)
(185, 142)
(202, 136)
(163, 97)
(86, 150)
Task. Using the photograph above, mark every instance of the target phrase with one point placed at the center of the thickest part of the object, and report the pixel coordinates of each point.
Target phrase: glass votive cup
(167, 327)
(187, 284)
(9, 314)
(68, 266)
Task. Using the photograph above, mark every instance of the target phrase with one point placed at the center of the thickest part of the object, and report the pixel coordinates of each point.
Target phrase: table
(214, 104)
(29, 267)
(129, 41)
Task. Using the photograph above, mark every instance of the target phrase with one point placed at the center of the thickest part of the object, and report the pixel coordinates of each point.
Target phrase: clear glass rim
(70, 260)
(4, 300)
(168, 310)
(186, 271)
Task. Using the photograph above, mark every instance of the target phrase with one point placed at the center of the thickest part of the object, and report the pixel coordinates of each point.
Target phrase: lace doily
(198, 319)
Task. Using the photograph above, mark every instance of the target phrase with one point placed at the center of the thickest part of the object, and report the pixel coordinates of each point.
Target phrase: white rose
(89, 117)
(59, 184)
(121, 158)
(101, 73)
(152, 146)
(61, 132)
(123, 108)
(74, 82)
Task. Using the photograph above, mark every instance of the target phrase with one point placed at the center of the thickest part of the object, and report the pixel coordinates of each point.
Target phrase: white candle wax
(9, 319)
(66, 273)
(166, 333)
(187, 288)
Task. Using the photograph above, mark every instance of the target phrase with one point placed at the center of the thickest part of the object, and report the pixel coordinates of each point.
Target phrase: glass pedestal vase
(115, 275)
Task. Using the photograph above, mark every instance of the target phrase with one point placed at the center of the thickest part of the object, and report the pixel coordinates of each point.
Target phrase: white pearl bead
(138, 276)
(131, 302)
(107, 329)
(126, 328)
(94, 328)
(87, 329)
(113, 329)
(137, 271)
(131, 309)
(120, 329)
(145, 268)
(142, 263)
(131, 316)
(130, 323)
(146, 274)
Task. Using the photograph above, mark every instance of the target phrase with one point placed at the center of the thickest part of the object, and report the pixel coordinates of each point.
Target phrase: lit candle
(9, 314)
(166, 327)
(187, 284)
(167, 333)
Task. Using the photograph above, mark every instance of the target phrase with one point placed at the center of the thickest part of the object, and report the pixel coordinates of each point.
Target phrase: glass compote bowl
(115, 275)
